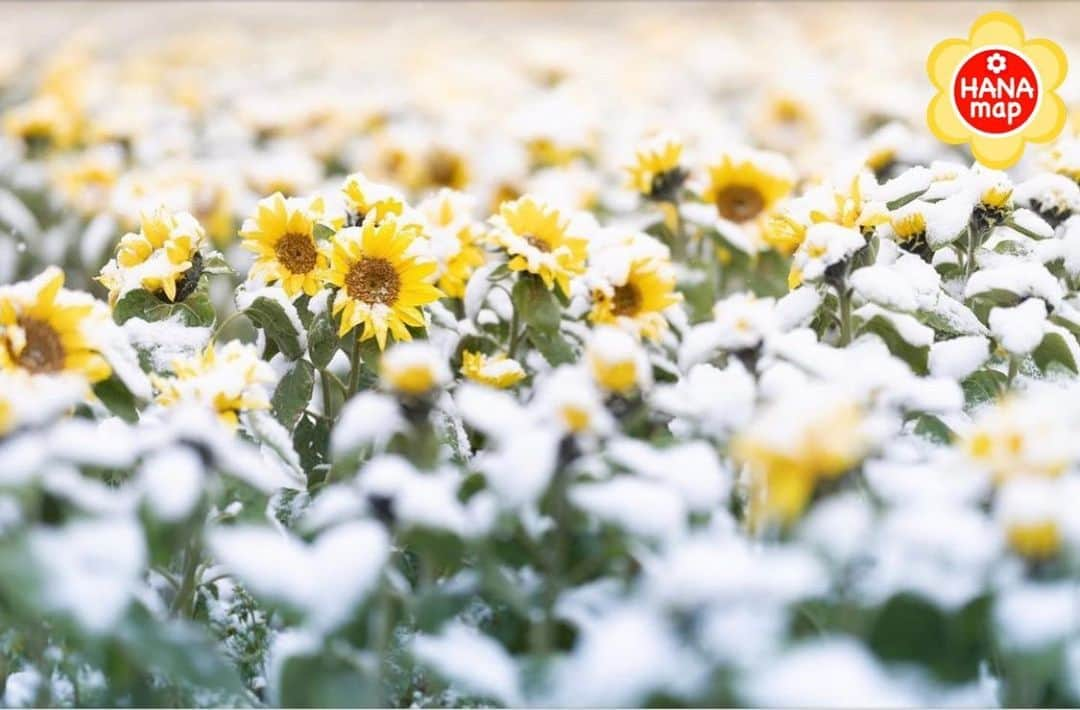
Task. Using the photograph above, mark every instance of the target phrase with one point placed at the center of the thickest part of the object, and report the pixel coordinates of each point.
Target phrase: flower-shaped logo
(996, 90)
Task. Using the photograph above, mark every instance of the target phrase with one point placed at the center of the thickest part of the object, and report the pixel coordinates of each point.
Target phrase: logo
(996, 90)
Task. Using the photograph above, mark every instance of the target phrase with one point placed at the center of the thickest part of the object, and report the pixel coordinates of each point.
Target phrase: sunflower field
(528, 354)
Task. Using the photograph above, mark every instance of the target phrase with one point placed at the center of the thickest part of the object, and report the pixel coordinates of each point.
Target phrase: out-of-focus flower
(494, 371)
(538, 239)
(44, 122)
(1030, 509)
(413, 369)
(381, 283)
(616, 361)
(282, 235)
(230, 380)
(455, 239)
(86, 180)
(364, 198)
(797, 441)
(43, 328)
(825, 245)
(1018, 437)
(746, 185)
(163, 256)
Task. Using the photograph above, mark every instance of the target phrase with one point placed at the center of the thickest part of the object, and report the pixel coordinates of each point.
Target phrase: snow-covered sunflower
(825, 245)
(363, 195)
(639, 299)
(46, 121)
(454, 239)
(230, 380)
(413, 369)
(282, 235)
(381, 281)
(538, 239)
(746, 185)
(655, 172)
(616, 361)
(494, 370)
(43, 328)
(163, 257)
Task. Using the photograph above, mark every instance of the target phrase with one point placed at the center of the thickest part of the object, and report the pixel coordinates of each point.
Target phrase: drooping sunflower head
(43, 329)
(163, 257)
(494, 371)
(382, 282)
(455, 239)
(362, 196)
(538, 239)
(909, 224)
(229, 380)
(282, 235)
(747, 185)
(655, 172)
(639, 301)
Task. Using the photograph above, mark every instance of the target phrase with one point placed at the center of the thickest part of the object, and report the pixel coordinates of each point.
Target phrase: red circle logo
(996, 91)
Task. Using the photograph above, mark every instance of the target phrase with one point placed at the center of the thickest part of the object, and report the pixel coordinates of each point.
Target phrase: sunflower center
(444, 168)
(739, 203)
(296, 252)
(626, 301)
(373, 280)
(537, 242)
(44, 351)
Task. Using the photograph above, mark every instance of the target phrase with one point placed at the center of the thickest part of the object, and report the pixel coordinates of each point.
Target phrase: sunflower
(413, 369)
(454, 239)
(44, 122)
(42, 329)
(163, 256)
(537, 238)
(282, 235)
(639, 301)
(230, 380)
(494, 371)
(380, 284)
(362, 196)
(655, 172)
(745, 186)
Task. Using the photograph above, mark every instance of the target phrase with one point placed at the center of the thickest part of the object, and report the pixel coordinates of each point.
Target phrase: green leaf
(552, 346)
(323, 231)
(500, 272)
(1053, 349)
(312, 443)
(323, 341)
(933, 429)
(293, 393)
(535, 304)
(117, 398)
(215, 263)
(195, 311)
(269, 315)
(983, 386)
(901, 201)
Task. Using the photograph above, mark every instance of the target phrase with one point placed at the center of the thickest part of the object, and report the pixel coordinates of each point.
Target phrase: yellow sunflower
(42, 329)
(282, 235)
(380, 283)
(639, 301)
(745, 187)
(158, 257)
(536, 237)
(494, 371)
(454, 239)
(230, 380)
(655, 172)
(363, 195)
(7, 418)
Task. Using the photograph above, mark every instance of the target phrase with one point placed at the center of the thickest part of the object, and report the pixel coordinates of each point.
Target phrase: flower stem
(515, 334)
(843, 294)
(357, 363)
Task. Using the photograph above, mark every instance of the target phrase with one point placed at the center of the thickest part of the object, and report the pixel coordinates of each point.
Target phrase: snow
(1032, 616)
(172, 481)
(1021, 279)
(909, 329)
(473, 662)
(92, 566)
(1019, 329)
(959, 357)
(165, 341)
(326, 579)
(885, 287)
(692, 469)
(367, 418)
(640, 507)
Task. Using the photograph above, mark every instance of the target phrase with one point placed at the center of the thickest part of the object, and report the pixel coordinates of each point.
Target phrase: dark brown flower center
(43, 352)
(626, 301)
(373, 280)
(296, 252)
(445, 169)
(537, 242)
(739, 203)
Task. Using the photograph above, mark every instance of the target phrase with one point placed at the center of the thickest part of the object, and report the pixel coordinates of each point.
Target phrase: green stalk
(357, 363)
